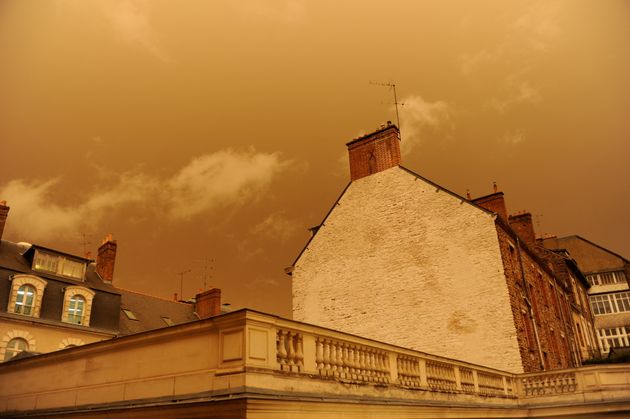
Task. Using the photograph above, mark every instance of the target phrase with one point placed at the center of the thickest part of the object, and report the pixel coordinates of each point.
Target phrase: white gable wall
(400, 262)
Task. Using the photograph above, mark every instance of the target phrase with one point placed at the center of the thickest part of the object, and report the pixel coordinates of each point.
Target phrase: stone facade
(381, 266)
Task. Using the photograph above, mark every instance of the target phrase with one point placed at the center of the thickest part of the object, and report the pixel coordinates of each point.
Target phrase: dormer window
(58, 265)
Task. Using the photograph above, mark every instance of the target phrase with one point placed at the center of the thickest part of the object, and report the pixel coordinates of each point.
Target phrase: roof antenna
(181, 283)
(85, 242)
(396, 103)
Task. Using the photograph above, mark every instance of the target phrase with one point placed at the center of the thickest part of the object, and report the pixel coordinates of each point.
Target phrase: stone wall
(403, 261)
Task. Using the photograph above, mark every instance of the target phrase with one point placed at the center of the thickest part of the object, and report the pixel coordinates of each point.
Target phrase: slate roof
(16, 258)
(150, 311)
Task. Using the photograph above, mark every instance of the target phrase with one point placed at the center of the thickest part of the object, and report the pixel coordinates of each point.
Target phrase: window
(607, 278)
(58, 265)
(601, 304)
(130, 314)
(26, 295)
(615, 337)
(76, 309)
(24, 300)
(14, 347)
(611, 303)
(77, 305)
(623, 301)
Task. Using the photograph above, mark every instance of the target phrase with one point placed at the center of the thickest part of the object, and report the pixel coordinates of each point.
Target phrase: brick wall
(402, 261)
(374, 152)
(549, 330)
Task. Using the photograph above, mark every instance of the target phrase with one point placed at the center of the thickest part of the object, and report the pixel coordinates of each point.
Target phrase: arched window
(25, 300)
(76, 309)
(14, 347)
(77, 305)
(26, 296)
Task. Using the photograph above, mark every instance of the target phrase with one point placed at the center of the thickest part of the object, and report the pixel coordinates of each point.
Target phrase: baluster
(299, 353)
(327, 366)
(346, 361)
(319, 354)
(282, 353)
(290, 350)
(352, 363)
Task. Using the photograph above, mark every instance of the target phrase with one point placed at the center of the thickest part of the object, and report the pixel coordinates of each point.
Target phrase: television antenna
(181, 283)
(85, 242)
(392, 86)
(208, 267)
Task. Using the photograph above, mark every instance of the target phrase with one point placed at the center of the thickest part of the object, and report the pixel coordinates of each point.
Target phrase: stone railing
(548, 383)
(332, 355)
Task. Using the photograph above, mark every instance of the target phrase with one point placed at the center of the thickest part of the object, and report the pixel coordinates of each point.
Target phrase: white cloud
(221, 179)
(130, 20)
(225, 177)
(417, 115)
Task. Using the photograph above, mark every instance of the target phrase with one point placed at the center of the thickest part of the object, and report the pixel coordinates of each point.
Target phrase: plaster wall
(401, 261)
(44, 338)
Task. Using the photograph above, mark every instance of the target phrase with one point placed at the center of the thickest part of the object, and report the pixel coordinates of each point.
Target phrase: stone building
(609, 294)
(400, 259)
(51, 300)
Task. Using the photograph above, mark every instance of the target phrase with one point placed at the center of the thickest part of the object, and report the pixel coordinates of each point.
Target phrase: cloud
(130, 20)
(277, 227)
(516, 93)
(528, 36)
(283, 11)
(417, 115)
(513, 138)
(225, 177)
(538, 26)
(221, 179)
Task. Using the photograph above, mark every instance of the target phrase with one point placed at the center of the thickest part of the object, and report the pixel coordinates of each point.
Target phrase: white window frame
(20, 280)
(619, 302)
(59, 265)
(607, 335)
(87, 294)
(607, 278)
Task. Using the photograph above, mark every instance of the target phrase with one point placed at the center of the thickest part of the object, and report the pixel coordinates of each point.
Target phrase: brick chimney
(4, 212)
(374, 152)
(493, 202)
(208, 303)
(106, 258)
(523, 226)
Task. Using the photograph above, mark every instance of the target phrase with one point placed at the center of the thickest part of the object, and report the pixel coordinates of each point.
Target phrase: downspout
(576, 358)
(529, 304)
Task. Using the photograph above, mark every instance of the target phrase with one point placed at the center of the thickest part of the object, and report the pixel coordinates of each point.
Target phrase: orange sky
(197, 130)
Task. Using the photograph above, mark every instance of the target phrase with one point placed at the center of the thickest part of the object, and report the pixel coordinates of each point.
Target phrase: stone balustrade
(349, 358)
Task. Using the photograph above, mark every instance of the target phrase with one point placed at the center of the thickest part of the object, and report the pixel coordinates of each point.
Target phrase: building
(51, 300)
(400, 259)
(609, 294)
